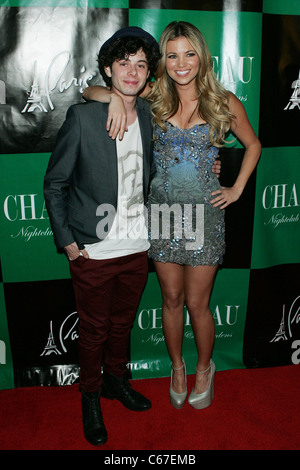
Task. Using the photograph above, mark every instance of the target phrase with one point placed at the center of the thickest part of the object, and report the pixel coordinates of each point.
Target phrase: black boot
(93, 426)
(120, 388)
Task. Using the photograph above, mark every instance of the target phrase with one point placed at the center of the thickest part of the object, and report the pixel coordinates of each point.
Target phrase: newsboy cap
(128, 32)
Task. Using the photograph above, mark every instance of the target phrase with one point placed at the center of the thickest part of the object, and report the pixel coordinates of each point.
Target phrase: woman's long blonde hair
(212, 96)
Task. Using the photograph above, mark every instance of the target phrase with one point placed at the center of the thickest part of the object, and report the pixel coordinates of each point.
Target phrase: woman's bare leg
(198, 284)
(170, 276)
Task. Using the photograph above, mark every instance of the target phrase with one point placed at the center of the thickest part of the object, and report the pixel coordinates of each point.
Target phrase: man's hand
(73, 252)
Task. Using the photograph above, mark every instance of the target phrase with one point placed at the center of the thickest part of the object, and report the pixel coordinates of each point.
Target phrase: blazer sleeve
(58, 177)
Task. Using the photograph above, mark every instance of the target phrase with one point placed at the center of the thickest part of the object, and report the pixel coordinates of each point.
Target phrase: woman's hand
(117, 117)
(225, 196)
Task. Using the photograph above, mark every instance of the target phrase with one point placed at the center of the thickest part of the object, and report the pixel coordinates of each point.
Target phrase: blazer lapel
(111, 158)
(146, 135)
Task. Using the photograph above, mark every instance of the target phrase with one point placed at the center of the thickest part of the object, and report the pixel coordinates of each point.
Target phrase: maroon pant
(107, 295)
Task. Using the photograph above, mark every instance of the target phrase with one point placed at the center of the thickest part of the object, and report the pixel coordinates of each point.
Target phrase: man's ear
(107, 70)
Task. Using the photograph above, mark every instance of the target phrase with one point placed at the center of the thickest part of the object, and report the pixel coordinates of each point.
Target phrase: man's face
(129, 75)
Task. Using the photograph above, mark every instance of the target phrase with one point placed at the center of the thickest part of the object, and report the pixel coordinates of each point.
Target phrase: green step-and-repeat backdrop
(48, 55)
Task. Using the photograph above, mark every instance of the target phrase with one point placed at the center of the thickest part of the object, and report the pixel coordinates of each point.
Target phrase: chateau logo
(281, 196)
(230, 74)
(27, 207)
(226, 319)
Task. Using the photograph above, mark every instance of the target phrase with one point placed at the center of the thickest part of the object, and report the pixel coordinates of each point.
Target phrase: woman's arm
(243, 130)
(117, 118)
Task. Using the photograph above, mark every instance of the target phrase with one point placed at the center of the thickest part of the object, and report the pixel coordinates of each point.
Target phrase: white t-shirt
(128, 233)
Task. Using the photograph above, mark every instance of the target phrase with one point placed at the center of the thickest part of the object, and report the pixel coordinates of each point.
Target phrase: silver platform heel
(178, 399)
(203, 400)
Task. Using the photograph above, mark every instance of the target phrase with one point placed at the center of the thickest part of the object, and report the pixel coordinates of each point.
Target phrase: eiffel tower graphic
(280, 335)
(295, 98)
(50, 346)
(34, 100)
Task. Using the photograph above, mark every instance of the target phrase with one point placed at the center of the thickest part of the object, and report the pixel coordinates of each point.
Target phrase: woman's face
(182, 61)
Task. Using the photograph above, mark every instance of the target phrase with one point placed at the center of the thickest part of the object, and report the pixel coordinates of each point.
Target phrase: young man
(95, 189)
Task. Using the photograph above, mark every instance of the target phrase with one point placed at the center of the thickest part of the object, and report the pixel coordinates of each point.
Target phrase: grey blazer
(82, 172)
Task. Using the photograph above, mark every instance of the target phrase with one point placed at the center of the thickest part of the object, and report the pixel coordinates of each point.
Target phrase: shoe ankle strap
(203, 371)
(178, 368)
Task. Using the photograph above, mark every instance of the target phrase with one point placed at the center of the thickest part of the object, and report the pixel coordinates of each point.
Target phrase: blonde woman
(192, 114)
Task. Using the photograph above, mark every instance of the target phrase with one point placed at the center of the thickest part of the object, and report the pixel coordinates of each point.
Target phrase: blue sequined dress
(184, 227)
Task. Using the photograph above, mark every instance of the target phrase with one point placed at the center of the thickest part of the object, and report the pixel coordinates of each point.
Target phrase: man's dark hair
(121, 49)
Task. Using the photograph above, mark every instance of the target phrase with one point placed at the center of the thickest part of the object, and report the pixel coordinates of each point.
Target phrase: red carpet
(257, 409)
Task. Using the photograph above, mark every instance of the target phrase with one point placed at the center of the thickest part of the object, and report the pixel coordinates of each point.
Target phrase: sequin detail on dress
(184, 180)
